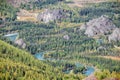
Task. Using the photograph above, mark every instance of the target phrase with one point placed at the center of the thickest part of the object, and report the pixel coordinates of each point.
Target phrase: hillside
(7, 10)
(18, 64)
(23, 64)
(59, 39)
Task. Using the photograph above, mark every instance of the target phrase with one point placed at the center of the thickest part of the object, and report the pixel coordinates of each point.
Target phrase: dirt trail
(111, 57)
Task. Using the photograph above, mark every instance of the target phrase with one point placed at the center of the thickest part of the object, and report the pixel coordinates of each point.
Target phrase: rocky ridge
(98, 26)
(101, 26)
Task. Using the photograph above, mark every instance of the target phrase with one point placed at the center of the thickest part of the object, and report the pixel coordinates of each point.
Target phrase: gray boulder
(115, 36)
(20, 43)
(101, 48)
(98, 26)
(66, 37)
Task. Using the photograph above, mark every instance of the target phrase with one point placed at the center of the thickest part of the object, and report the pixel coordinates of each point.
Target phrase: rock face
(50, 15)
(115, 36)
(98, 26)
(21, 43)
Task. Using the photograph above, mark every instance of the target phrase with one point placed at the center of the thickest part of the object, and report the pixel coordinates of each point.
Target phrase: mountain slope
(17, 64)
(21, 63)
(60, 38)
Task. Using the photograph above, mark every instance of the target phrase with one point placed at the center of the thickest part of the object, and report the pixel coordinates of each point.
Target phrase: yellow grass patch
(111, 57)
(26, 18)
(25, 15)
(67, 24)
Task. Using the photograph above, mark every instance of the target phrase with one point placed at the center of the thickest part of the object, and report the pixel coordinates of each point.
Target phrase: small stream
(88, 71)
(40, 56)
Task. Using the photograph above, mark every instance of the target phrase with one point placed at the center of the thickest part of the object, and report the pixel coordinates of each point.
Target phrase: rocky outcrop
(115, 36)
(83, 27)
(98, 26)
(101, 48)
(66, 37)
(20, 43)
(50, 15)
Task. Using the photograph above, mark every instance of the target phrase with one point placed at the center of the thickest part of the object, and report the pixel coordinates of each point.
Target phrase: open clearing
(25, 15)
(82, 3)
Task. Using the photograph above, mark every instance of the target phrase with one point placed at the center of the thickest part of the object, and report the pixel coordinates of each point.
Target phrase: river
(88, 71)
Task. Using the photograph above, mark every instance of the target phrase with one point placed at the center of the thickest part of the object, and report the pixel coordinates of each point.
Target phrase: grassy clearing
(69, 25)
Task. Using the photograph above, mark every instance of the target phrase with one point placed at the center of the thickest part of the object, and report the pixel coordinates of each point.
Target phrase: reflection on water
(40, 55)
(12, 37)
(89, 71)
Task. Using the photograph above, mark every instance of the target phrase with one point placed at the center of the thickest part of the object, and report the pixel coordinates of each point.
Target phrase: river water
(12, 37)
(88, 71)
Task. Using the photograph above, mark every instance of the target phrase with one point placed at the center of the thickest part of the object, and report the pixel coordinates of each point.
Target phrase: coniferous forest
(59, 40)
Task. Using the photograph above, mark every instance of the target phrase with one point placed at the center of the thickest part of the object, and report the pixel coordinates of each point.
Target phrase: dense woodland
(50, 38)
(18, 64)
(7, 12)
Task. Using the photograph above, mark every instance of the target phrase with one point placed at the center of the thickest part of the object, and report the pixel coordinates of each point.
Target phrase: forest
(20, 65)
(61, 40)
